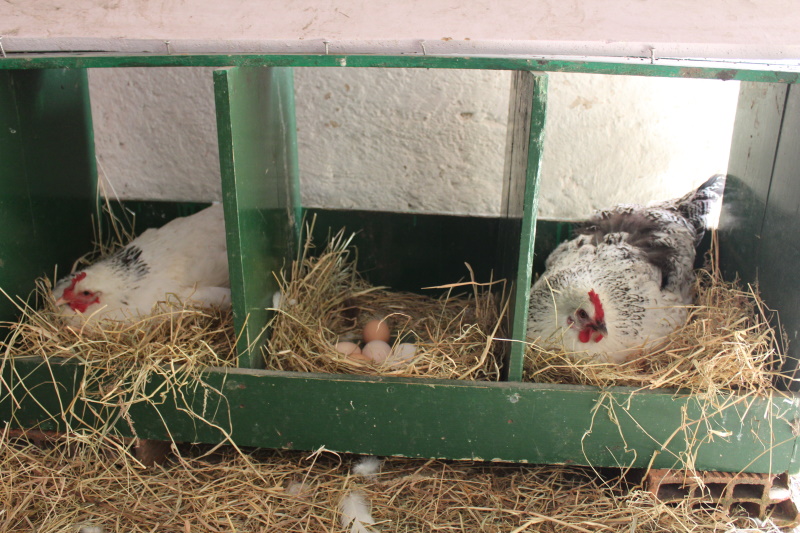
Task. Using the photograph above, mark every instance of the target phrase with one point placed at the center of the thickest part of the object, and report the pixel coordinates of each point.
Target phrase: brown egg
(377, 350)
(376, 330)
(348, 348)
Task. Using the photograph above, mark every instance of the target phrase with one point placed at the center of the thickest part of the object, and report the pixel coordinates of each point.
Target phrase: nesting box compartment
(46, 122)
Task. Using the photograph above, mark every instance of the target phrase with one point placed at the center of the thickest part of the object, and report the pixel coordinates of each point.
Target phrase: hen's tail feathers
(701, 206)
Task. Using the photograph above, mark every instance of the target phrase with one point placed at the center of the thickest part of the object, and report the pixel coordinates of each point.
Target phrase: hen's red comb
(78, 277)
(599, 314)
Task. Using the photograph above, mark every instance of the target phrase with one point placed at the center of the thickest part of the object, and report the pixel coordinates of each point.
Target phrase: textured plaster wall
(155, 133)
(402, 140)
(423, 140)
(616, 140)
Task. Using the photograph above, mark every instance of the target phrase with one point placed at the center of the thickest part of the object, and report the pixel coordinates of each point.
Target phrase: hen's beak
(61, 301)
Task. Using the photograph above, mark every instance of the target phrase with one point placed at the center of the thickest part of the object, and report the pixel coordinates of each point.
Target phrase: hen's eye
(582, 314)
(86, 293)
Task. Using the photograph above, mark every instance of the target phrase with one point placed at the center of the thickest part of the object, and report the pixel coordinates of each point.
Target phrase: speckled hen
(624, 282)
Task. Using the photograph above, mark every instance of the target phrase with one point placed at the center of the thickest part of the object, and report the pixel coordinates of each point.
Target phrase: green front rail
(520, 422)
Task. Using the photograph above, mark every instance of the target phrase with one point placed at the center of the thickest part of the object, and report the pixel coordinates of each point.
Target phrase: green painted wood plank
(86, 60)
(519, 422)
(410, 251)
(780, 253)
(527, 112)
(258, 162)
(47, 177)
(762, 198)
(406, 251)
(759, 114)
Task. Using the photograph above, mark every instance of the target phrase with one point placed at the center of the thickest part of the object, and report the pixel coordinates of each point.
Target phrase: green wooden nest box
(48, 192)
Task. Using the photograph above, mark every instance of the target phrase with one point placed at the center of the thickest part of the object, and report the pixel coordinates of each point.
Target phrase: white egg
(378, 351)
(402, 353)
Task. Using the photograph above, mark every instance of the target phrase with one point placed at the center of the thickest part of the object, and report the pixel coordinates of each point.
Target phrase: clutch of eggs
(376, 348)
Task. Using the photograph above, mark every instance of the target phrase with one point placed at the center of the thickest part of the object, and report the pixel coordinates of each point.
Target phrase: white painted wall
(423, 140)
(402, 140)
(616, 140)
(156, 133)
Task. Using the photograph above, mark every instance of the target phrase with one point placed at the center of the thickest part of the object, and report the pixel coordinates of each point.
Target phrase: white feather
(367, 467)
(277, 300)
(355, 513)
(296, 488)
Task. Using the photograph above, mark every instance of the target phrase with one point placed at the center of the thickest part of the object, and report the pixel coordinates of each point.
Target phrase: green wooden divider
(527, 111)
(48, 178)
(756, 132)
(759, 225)
(258, 161)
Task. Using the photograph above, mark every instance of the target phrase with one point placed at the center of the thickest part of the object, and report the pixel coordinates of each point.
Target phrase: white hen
(186, 258)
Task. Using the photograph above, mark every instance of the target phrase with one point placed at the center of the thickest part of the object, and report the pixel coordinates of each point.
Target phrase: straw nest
(324, 301)
(72, 485)
(727, 344)
(174, 333)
